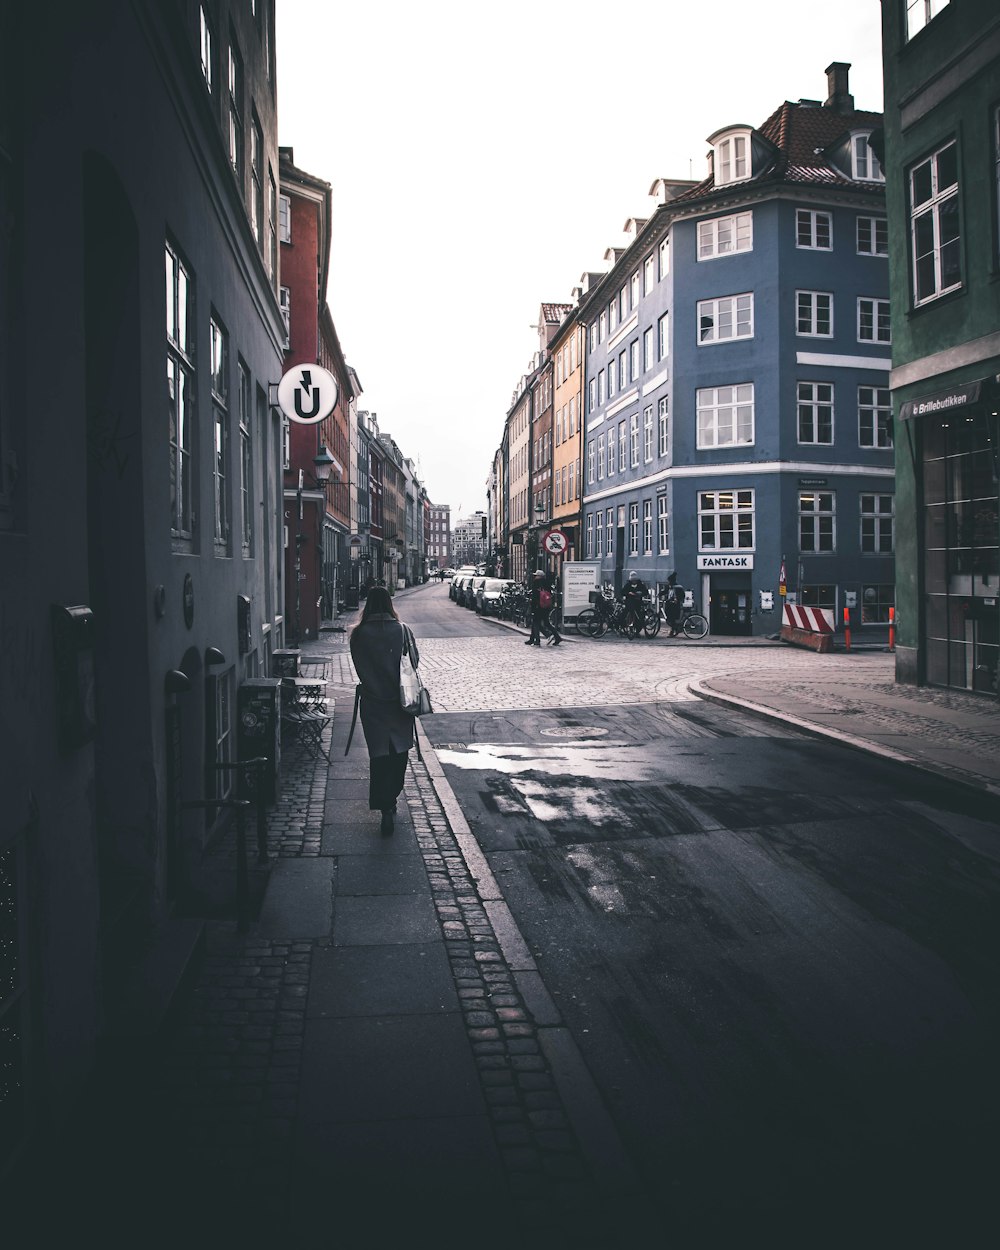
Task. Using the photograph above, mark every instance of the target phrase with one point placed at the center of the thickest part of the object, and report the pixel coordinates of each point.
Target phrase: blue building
(738, 414)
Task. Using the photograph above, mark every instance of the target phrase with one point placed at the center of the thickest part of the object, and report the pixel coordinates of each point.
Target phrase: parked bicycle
(691, 624)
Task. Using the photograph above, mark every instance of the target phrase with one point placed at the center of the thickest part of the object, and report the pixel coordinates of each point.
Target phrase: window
(634, 439)
(633, 529)
(877, 524)
(725, 415)
(865, 166)
(662, 525)
(623, 301)
(730, 317)
(920, 12)
(723, 236)
(814, 314)
(732, 159)
(622, 370)
(600, 457)
(600, 537)
(647, 434)
(246, 462)
(591, 466)
(207, 42)
(817, 529)
(876, 601)
(663, 336)
(592, 394)
(572, 416)
(634, 289)
(873, 236)
(593, 336)
(664, 255)
(219, 365)
(934, 225)
(873, 321)
(257, 181)
(647, 527)
(813, 229)
(815, 412)
(648, 274)
(180, 391)
(622, 445)
(609, 529)
(284, 219)
(611, 452)
(663, 423)
(602, 327)
(613, 316)
(272, 227)
(601, 387)
(223, 779)
(285, 300)
(572, 481)
(633, 354)
(874, 416)
(590, 535)
(819, 596)
(235, 110)
(725, 520)
(648, 359)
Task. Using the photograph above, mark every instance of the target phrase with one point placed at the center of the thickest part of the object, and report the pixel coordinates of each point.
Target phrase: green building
(942, 164)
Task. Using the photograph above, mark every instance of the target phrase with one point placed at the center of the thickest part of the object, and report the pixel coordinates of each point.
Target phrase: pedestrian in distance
(540, 592)
(632, 595)
(673, 605)
(376, 647)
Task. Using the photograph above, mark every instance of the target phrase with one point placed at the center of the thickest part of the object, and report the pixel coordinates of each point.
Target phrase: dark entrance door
(730, 612)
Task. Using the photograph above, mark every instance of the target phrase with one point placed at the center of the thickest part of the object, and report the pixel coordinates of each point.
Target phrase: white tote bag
(413, 694)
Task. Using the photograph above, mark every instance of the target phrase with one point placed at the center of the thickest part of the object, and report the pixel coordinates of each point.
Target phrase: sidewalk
(378, 1057)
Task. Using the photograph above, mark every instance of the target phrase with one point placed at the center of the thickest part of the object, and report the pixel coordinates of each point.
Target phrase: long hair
(379, 602)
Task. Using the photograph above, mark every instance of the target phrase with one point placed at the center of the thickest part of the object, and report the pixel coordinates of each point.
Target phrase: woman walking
(376, 646)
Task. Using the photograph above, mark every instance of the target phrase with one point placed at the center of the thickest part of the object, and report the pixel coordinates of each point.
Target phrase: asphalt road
(778, 957)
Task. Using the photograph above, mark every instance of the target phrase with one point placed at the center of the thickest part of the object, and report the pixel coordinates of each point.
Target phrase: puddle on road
(618, 761)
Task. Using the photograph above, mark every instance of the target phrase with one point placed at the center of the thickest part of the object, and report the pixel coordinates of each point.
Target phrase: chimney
(839, 98)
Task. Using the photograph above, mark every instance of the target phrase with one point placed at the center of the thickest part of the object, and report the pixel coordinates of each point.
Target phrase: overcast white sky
(483, 157)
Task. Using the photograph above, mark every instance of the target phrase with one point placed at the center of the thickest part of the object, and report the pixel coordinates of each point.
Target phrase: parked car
(472, 591)
(467, 570)
(446, 574)
(488, 596)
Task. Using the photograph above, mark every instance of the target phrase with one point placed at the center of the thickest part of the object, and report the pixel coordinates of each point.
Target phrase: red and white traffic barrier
(808, 627)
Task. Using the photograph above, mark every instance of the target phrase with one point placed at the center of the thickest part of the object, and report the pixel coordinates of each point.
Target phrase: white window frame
(600, 457)
(591, 462)
(622, 448)
(647, 527)
(633, 529)
(592, 394)
(662, 525)
(181, 388)
(663, 336)
(728, 317)
(725, 236)
(818, 522)
(206, 48)
(814, 409)
(634, 289)
(878, 522)
(609, 530)
(874, 411)
(811, 226)
(613, 316)
(877, 312)
(870, 233)
(732, 160)
(611, 452)
(634, 440)
(932, 209)
(726, 520)
(719, 415)
(647, 349)
(633, 360)
(865, 166)
(601, 388)
(622, 370)
(663, 425)
(599, 552)
(810, 307)
(647, 434)
(649, 273)
(920, 13)
(663, 253)
(590, 535)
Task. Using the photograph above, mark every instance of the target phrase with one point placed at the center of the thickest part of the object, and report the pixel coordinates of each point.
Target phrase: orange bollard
(892, 629)
(847, 629)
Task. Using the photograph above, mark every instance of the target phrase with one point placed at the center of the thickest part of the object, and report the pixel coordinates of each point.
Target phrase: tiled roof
(553, 314)
(800, 133)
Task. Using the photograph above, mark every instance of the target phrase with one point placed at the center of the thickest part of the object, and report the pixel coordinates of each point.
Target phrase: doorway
(730, 611)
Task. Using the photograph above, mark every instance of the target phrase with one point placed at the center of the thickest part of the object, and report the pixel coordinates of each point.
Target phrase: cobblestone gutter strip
(228, 1074)
(513, 1028)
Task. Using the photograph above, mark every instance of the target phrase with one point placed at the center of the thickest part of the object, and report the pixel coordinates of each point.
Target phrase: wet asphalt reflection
(778, 957)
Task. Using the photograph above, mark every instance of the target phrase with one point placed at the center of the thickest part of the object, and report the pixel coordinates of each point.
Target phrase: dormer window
(865, 165)
(731, 157)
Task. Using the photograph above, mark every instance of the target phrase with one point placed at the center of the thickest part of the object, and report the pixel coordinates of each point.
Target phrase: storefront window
(876, 600)
(962, 550)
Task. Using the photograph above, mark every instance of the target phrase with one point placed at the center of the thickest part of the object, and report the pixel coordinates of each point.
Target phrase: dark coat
(376, 645)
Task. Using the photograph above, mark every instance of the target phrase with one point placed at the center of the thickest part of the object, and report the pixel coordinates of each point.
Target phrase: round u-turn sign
(307, 394)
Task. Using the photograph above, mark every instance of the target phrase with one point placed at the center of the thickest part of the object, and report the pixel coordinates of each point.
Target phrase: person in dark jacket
(633, 594)
(376, 646)
(539, 582)
(673, 605)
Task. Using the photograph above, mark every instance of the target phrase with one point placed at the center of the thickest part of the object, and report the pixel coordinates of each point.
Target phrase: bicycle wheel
(651, 625)
(695, 626)
(583, 622)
